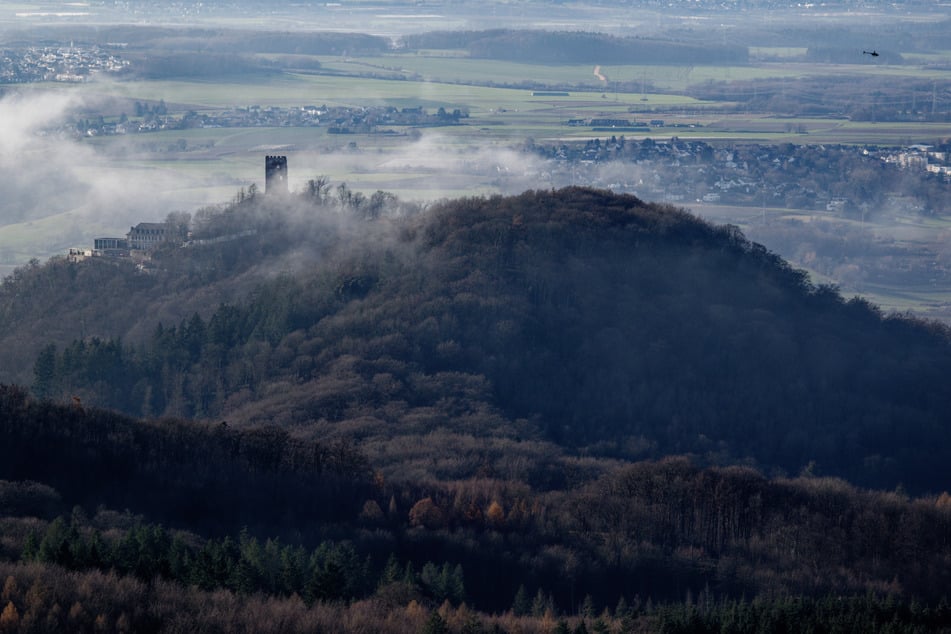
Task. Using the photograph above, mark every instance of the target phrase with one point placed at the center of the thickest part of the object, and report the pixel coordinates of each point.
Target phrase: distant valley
(445, 317)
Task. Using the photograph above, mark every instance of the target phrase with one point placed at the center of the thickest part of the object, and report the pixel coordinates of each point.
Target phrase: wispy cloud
(73, 185)
(431, 167)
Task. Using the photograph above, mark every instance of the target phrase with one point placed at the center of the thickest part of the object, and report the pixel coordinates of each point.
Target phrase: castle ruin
(275, 175)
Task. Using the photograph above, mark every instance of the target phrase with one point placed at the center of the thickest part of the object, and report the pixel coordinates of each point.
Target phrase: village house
(148, 235)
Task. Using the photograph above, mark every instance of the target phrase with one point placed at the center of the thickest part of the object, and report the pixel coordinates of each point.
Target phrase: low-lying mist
(61, 190)
(58, 190)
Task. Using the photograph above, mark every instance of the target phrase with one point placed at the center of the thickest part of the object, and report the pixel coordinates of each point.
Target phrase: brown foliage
(425, 513)
(9, 618)
(944, 502)
(371, 511)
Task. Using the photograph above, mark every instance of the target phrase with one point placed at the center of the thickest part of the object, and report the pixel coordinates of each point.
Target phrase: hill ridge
(586, 322)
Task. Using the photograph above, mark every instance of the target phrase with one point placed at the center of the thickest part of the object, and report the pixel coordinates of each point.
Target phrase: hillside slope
(587, 323)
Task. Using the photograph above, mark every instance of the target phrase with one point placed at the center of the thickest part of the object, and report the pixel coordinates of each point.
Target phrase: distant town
(672, 170)
(58, 63)
(751, 174)
(154, 117)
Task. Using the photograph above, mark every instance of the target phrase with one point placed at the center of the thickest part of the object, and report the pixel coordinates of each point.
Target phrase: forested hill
(501, 335)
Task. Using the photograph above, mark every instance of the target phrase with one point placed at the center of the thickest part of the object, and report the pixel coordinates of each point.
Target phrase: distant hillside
(592, 321)
(564, 47)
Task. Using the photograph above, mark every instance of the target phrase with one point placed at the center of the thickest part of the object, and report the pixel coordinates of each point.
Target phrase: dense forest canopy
(625, 547)
(578, 318)
(479, 403)
(561, 411)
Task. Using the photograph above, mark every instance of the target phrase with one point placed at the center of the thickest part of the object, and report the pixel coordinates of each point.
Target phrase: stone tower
(275, 175)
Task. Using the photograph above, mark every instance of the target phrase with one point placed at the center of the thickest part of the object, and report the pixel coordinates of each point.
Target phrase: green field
(927, 298)
(474, 158)
(508, 110)
(296, 89)
(503, 114)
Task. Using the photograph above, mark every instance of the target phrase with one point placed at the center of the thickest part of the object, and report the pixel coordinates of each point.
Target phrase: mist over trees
(607, 325)
(562, 411)
(474, 402)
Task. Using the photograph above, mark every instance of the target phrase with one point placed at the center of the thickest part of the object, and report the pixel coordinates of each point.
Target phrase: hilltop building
(78, 254)
(107, 244)
(148, 235)
(111, 247)
(275, 175)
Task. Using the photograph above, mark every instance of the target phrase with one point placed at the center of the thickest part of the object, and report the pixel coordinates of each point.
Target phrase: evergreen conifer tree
(435, 624)
(521, 605)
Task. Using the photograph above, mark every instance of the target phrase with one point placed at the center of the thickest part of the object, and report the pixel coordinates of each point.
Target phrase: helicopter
(872, 53)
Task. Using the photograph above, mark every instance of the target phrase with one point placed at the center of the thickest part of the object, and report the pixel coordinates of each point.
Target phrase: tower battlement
(275, 175)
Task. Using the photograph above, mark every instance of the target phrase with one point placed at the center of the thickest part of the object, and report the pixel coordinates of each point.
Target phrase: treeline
(576, 47)
(901, 99)
(211, 477)
(47, 599)
(819, 535)
(189, 370)
(333, 571)
(145, 109)
(624, 329)
(794, 614)
(648, 530)
(670, 571)
(655, 529)
(205, 64)
(162, 52)
(198, 42)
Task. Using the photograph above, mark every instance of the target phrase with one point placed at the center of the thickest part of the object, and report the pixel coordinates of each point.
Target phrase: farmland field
(496, 114)
(198, 166)
(503, 113)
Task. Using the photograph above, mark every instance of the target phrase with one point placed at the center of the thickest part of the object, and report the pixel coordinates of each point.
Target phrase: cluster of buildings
(795, 176)
(921, 157)
(146, 236)
(63, 64)
(339, 119)
(619, 125)
(142, 238)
